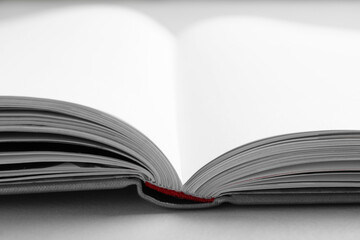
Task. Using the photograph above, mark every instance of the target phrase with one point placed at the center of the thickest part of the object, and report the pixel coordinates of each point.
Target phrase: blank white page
(107, 57)
(243, 79)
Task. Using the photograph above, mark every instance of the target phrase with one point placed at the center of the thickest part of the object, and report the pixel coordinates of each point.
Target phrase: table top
(122, 214)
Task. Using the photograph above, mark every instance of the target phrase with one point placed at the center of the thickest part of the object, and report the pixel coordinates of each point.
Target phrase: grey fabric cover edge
(249, 198)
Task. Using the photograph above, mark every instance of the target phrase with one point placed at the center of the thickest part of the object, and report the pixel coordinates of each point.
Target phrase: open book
(246, 111)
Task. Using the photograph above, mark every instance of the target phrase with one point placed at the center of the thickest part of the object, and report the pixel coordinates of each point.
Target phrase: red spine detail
(177, 194)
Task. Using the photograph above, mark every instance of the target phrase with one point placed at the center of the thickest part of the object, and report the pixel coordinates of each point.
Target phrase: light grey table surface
(121, 214)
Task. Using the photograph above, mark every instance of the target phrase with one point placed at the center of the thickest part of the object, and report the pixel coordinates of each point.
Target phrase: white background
(121, 214)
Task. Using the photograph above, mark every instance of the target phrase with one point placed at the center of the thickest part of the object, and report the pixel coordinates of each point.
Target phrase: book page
(244, 79)
(109, 58)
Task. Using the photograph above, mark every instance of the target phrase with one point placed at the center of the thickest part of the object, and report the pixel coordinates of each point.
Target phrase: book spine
(177, 194)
